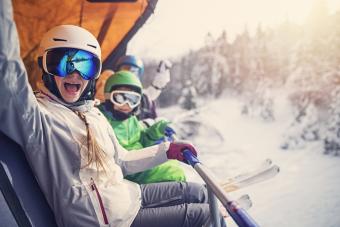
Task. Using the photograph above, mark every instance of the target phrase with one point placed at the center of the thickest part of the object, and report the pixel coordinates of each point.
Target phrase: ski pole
(213, 206)
(238, 214)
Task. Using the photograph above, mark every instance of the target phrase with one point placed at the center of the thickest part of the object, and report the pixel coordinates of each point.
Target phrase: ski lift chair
(22, 202)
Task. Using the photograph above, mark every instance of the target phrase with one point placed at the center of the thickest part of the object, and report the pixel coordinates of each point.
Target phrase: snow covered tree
(188, 96)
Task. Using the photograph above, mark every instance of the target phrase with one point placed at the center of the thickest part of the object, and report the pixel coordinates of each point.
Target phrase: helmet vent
(62, 40)
(92, 46)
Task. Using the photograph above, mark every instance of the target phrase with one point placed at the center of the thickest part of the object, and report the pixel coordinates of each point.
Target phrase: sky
(180, 25)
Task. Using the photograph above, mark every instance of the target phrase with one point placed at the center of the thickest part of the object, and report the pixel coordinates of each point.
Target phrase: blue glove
(169, 132)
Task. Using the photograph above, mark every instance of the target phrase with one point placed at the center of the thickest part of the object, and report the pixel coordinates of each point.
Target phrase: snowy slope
(305, 193)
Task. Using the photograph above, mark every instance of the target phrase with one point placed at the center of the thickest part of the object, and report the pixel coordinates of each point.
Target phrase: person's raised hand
(164, 65)
(162, 77)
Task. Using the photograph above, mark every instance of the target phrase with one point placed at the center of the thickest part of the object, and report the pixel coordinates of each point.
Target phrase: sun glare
(182, 25)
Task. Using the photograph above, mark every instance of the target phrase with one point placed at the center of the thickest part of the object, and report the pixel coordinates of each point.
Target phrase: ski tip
(268, 161)
(244, 202)
(277, 168)
(245, 196)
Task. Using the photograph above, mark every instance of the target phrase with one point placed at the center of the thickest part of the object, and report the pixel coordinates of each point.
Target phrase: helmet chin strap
(89, 92)
(50, 84)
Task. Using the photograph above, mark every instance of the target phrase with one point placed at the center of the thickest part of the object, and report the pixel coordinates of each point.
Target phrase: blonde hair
(95, 153)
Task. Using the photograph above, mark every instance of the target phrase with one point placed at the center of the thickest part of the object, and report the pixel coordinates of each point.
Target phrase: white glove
(152, 92)
(164, 65)
(162, 77)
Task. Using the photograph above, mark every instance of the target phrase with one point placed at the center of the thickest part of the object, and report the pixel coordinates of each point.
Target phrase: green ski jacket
(133, 135)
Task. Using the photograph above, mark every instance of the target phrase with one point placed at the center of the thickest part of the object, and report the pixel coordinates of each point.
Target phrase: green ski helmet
(120, 79)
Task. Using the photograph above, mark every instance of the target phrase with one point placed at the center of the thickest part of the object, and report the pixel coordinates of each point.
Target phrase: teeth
(66, 85)
(73, 83)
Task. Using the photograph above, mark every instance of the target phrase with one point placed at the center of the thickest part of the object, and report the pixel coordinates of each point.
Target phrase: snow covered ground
(305, 193)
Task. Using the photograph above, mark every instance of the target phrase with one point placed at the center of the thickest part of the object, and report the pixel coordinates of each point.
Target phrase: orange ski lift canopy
(113, 22)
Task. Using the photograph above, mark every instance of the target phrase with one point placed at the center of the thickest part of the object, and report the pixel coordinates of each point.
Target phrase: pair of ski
(265, 171)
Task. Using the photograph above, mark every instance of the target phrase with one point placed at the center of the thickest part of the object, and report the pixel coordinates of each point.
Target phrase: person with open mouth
(72, 149)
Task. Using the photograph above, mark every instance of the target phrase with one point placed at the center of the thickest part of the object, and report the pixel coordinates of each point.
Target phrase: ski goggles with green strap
(120, 98)
(64, 61)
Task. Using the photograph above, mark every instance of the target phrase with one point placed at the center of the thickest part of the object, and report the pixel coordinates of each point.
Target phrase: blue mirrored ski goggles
(64, 61)
(121, 98)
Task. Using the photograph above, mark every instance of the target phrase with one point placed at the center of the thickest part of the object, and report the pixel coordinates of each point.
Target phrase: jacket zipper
(94, 188)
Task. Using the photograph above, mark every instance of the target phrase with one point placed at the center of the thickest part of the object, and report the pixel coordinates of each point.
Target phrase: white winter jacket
(52, 137)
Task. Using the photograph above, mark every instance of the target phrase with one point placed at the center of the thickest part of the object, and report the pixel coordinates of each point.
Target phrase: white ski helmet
(70, 36)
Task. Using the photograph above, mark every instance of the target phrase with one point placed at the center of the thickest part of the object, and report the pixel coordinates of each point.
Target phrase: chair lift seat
(29, 195)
